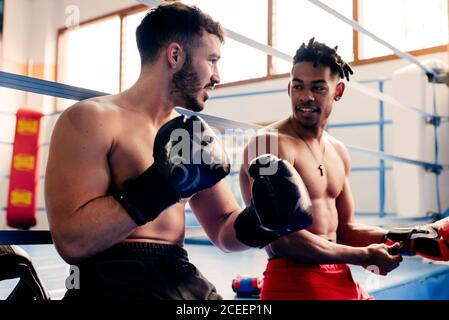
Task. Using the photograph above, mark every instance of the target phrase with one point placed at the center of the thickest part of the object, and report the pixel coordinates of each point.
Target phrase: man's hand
(382, 259)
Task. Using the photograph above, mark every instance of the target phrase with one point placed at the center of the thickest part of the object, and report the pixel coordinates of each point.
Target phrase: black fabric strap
(146, 196)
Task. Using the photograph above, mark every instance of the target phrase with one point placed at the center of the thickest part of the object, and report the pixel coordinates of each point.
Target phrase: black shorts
(137, 271)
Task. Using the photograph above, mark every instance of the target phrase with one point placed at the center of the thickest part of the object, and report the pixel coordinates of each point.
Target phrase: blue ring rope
(45, 87)
(437, 176)
(60, 90)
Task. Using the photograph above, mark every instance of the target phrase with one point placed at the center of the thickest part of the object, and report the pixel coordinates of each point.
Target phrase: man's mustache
(211, 84)
(307, 105)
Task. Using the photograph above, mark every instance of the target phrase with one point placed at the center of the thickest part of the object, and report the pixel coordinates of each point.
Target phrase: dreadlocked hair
(319, 53)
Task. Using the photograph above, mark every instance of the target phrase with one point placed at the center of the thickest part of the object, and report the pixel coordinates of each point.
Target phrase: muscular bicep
(345, 201)
(77, 170)
(345, 206)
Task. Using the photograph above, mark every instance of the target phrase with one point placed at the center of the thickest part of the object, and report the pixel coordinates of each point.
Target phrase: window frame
(121, 14)
(271, 41)
(356, 7)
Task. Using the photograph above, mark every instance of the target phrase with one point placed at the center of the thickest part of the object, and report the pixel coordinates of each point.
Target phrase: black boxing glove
(280, 203)
(188, 158)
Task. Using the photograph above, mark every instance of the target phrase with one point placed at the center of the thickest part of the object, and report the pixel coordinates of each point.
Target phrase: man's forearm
(308, 248)
(94, 227)
(359, 235)
(227, 240)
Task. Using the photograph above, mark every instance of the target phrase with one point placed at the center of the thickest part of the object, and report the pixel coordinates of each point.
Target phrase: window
(102, 54)
(407, 24)
(89, 56)
(298, 21)
(131, 59)
(249, 18)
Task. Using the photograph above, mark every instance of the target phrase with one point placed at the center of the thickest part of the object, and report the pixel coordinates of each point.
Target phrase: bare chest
(131, 155)
(132, 152)
(324, 179)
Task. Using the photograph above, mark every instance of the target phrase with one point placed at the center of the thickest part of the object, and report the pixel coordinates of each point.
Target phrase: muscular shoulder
(91, 112)
(91, 121)
(269, 140)
(288, 143)
(278, 125)
(91, 115)
(341, 150)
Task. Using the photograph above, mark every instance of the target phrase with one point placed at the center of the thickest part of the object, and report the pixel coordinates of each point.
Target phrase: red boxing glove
(430, 241)
(443, 230)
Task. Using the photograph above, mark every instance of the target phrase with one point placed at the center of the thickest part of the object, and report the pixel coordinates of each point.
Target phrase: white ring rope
(356, 26)
(278, 54)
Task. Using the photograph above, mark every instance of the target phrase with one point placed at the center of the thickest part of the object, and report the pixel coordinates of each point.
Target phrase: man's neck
(300, 131)
(150, 95)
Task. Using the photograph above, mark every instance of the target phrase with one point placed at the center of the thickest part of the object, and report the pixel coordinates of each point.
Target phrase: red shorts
(286, 280)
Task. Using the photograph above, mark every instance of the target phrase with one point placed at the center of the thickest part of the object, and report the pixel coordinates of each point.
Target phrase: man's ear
(174, 54)
(289, 88)
(339, 91)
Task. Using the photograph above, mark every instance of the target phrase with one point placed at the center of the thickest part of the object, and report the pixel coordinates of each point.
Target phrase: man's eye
(319, 89)
(296, 87)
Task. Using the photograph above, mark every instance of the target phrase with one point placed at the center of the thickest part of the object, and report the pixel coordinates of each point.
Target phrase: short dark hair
(173, 22)
(319, 53)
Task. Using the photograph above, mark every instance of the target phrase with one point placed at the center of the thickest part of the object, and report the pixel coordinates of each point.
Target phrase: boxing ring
(414, 279)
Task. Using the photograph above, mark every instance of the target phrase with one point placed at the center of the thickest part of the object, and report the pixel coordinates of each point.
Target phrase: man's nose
(306, 95)
(215, 79)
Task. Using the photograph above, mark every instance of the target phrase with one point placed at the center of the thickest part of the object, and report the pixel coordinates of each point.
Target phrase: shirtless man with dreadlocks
(312, 263)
